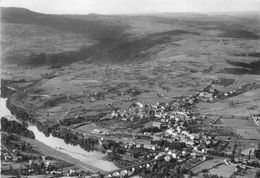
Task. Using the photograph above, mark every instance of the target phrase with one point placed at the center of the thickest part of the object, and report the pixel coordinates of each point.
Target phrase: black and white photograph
(130, 88)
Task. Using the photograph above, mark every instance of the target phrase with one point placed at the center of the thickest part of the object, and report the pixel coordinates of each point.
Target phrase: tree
(20, 170)
(11, 169)
(190, 173)
(257, 175)
(177, 169)
(183, 170)
(257, 154)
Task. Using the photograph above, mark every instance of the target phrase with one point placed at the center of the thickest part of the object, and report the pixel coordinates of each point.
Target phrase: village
(170, 137)
(173, 137)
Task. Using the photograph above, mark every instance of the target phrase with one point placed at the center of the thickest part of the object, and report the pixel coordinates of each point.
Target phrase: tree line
(16, 128)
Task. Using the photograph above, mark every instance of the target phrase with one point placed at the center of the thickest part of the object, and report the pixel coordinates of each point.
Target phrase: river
(92, 158)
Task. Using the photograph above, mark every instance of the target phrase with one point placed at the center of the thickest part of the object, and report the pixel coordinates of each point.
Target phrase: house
(92, 99)
(174, 155)
(116, 174)
(147, 134)
(123, 173)
(167, 158)
(149, 146)
(193, 154)
(205, 157)
(96, 131)
(170, 131)
(256, 119)
(157, 124)
(8, 157)
(189, 143)
(56, 173)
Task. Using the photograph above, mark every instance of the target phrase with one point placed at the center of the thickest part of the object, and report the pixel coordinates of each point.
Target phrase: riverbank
(56, 147)
(47, 150)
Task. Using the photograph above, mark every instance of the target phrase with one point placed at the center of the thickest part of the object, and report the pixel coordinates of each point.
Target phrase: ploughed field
(149, 59)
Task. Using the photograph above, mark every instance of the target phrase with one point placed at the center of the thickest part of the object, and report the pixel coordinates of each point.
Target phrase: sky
(132, 6)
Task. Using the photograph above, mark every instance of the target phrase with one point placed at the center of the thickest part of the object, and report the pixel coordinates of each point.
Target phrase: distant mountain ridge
(95, 29)
(114, 42)
(32, 38)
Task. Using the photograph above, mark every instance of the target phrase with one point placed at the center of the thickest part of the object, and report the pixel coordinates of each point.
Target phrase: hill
(31, 38)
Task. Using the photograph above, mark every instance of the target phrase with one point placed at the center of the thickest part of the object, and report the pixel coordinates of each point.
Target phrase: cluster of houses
(122, 173)
(28, 168)
(172, 119)
(256, 118)
(162, 112)
(211, 94)
(10, 156)
(38, 165)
